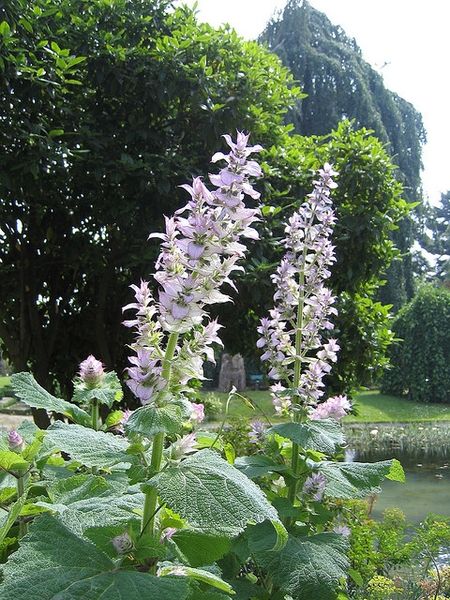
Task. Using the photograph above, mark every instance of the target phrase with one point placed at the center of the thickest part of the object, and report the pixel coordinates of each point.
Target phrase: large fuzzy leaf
(307, 567)
(86, 501)
(54, 564)
(214, 497)
(324, 436)
(87, 446)
(150, 420)
(34, 395)
(357, 480)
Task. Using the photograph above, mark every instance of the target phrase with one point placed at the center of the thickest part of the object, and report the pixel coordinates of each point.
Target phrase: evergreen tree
(338, 84)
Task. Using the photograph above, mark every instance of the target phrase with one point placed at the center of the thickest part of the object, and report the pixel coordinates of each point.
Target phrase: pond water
(427, 487)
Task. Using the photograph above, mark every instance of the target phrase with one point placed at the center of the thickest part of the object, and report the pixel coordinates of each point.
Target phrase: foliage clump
(421, 355)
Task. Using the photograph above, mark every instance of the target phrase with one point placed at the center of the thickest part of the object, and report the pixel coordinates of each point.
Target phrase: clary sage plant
(124, 505)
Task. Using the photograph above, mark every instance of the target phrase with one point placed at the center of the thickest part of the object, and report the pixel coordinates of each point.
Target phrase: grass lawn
(4, 383)
(372, 407)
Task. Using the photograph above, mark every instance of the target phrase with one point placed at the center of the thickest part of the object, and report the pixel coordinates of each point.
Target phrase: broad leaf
(34, 395)
(108, 392)
(200, 549)
(54, 564)
(215, 497)
(257, 466)
(11, 461)
(357, 480)
(324, 436)
(307, 567)
(7, 519)
(149, 420)
(83, 502)
(87, 446)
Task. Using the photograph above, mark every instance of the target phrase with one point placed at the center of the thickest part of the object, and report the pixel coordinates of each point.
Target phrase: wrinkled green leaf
(214, 496)
(87, 446)
(32, 394)
(54, 564)
(149, 420)
(307, 567)
(107, 392)
(257, 466)
(325, 435)
(357, 480)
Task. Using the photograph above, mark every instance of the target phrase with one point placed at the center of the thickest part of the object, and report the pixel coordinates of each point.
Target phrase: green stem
(23, 527)
(292, 489)
(95, 414)
(151, 498)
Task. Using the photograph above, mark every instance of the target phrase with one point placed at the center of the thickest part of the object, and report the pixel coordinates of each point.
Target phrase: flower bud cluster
(303, 305)
(201, 246)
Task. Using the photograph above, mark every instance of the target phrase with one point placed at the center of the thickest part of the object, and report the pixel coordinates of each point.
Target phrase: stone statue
(232, 373)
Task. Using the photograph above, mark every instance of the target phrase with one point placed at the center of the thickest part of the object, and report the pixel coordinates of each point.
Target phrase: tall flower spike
(291, 337)
(200, 249)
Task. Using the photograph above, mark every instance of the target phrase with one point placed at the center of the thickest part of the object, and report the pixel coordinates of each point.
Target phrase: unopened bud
(122, 543)
(91, 371)
(15, 441)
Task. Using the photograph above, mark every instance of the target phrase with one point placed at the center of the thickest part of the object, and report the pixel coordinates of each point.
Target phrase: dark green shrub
(421, 358)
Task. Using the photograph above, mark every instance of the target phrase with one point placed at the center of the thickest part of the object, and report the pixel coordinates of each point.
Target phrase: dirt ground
(12, 421)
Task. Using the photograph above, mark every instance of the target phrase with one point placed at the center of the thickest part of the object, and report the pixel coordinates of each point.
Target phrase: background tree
(338, 84)
(435, 239)
(106, 108)
(421, 356)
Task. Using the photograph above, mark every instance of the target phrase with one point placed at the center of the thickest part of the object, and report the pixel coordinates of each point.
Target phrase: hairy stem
(151, 498)
(95, 414)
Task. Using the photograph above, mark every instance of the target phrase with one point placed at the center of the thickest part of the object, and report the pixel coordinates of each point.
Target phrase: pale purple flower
(314, 486)
(198, 412)
(280, 399)
(342, 530)
(185, 445)
(299, 280)
(15, 441)
(200, 249)
(167, 534)
(257, 432)
(122, 543)
(333, 408)
(91, 371)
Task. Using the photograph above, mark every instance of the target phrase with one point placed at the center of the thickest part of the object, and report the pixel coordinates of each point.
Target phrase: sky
(407, 41)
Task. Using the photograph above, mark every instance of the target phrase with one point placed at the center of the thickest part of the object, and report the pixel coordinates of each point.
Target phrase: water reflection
(427, 487)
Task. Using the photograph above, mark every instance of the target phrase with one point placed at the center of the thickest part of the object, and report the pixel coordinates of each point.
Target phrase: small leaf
(199, 575)
(108, 392)
(5, 29)
(56, 132)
